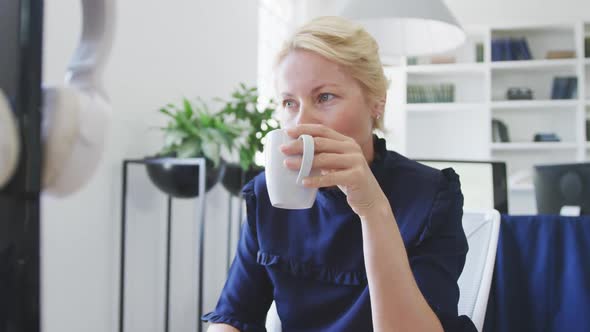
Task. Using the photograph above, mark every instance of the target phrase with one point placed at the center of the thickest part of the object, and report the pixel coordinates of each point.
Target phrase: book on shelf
(565, 87)
(510, 49)
(479, 52)
(433, 93)
(546, 137)
(560, 54)
(442, 59)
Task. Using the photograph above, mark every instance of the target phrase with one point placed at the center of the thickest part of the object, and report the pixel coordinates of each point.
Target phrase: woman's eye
(288, 103)
(325, 97)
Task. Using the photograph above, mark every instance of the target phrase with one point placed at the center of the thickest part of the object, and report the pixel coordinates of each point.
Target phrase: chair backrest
(482, 229)
(273, 323)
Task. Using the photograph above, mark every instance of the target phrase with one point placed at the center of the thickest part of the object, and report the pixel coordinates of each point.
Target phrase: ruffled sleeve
(307, 270)
(248, 291)
(439, 255)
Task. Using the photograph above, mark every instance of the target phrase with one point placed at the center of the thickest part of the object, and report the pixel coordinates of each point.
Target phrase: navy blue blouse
(310, 262)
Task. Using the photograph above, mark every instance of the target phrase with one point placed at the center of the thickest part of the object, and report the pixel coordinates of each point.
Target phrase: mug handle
(308, 154)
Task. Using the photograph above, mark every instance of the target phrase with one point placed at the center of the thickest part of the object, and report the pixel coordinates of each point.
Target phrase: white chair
(273, 323)
(482, 230)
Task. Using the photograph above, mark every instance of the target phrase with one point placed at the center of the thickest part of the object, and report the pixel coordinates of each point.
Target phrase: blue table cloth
(542, 275)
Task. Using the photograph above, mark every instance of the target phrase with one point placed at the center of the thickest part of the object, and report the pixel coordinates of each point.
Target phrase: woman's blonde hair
(347, 44)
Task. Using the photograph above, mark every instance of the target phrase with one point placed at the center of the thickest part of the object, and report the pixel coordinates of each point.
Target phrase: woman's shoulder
(414, 177)
(255, 187)
(417, 193)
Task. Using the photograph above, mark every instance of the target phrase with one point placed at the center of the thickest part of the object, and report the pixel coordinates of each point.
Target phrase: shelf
(535, 64)
(527, 104)
(521, 187)
(453, 68)
(443, 107)
(535, 27)
(533, 146)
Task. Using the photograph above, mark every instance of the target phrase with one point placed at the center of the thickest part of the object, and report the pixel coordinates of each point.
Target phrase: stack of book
(510, 49)
(434, 93)
(564, 87)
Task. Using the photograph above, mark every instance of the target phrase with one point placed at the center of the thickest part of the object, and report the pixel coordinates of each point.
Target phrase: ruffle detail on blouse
(446, 202)
(214, 317)
(311, 271)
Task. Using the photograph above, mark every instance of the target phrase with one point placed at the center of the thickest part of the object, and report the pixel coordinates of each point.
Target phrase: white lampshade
(407, 27)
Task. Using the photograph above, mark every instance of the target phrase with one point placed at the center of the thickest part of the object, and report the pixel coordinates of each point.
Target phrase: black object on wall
(21, 29)
(560, 185)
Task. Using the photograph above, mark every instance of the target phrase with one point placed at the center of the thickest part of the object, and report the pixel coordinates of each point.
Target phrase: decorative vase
(235, 178)
(181, 181)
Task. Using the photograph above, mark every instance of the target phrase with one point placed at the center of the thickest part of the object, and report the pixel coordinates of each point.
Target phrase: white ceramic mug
(284, 186)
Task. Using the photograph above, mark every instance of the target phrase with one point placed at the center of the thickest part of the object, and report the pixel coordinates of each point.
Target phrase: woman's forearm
(396, 301)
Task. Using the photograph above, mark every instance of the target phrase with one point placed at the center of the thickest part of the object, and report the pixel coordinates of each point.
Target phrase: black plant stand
(200, 162)
(230, 222)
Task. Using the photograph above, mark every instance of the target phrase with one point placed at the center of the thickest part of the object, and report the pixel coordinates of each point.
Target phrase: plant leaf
(211, 152)
(189, 149)
(188, 109)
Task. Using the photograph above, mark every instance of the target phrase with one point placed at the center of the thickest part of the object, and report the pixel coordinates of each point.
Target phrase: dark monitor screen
(562, 185)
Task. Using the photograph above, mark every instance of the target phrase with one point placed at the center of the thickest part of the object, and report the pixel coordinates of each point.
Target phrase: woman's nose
(306, 116)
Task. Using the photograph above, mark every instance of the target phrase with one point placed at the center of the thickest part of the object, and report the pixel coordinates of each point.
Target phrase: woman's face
(314, 90)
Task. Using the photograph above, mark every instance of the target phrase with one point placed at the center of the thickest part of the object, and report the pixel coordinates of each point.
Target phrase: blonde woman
(383, 246)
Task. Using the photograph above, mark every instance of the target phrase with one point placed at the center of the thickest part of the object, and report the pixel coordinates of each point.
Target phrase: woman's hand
(342, 163)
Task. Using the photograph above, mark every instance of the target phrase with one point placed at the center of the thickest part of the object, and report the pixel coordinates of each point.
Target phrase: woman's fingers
(326, 161)
(321, 144)
(336, 178)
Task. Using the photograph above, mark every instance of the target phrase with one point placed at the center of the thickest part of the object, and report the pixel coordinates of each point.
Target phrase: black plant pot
(234, 178)
(182, 181)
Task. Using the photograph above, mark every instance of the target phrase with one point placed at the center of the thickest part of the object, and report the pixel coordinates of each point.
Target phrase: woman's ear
(379, 107)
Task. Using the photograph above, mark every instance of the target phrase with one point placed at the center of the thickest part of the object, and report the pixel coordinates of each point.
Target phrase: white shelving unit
(462, 129)
(534, 64)
(533, 104)
(443, 107)
(545, 146)
(459, 68)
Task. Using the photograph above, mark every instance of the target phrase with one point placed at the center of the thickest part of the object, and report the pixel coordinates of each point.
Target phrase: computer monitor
(562, 185)
(483, 183)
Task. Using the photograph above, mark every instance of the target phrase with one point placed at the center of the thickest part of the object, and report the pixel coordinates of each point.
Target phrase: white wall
(163, 50)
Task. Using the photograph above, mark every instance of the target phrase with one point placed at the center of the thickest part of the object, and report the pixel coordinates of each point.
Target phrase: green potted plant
(245, 107)
(192, 131)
